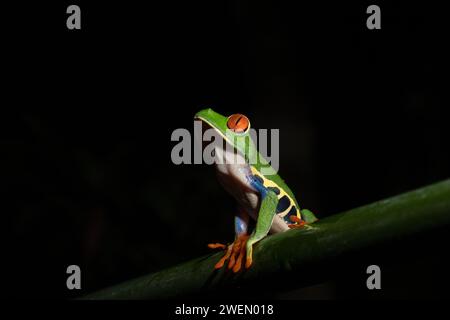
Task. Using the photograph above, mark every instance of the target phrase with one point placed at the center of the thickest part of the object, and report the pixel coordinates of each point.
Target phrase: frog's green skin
(260, 192)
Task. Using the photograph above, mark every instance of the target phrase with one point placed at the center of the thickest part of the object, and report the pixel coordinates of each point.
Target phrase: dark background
(87, 174)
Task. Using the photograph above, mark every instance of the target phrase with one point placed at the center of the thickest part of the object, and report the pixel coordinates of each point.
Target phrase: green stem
(408, 213)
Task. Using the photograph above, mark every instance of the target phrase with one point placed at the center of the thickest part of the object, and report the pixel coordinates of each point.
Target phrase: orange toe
(232, 261)
(216, 245)
(248, 262)
(238, 263)
(237, 245)
(296, 226)
(220, 263)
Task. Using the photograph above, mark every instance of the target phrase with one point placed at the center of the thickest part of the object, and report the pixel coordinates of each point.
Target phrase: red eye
(238, 123)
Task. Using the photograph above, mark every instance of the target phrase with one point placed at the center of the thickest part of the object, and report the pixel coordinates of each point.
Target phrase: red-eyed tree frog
(265, 202)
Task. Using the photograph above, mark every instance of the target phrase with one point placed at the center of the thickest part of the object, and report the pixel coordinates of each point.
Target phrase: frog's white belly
(233, 174)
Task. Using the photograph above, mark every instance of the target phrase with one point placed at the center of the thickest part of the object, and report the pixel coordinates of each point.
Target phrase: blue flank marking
(258, 185)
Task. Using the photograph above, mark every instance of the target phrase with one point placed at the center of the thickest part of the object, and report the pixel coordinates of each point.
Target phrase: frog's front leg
(235, 252)
(243, 244)
(267, 211)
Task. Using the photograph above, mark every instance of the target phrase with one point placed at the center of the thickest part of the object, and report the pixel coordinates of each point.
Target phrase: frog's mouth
(206, 125)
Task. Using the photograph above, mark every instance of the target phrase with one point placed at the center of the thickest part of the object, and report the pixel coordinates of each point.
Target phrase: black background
(89, 113)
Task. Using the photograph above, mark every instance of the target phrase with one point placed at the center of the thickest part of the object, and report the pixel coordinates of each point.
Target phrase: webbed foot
(296, 222)
(235, 252)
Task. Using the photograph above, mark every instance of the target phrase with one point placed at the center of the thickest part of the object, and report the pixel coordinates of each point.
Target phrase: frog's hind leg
(235, 252)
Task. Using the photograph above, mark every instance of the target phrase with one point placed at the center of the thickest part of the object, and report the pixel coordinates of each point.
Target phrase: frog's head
(235, 130)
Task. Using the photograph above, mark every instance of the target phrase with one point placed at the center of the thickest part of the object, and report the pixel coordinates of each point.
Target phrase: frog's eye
(238, 123)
